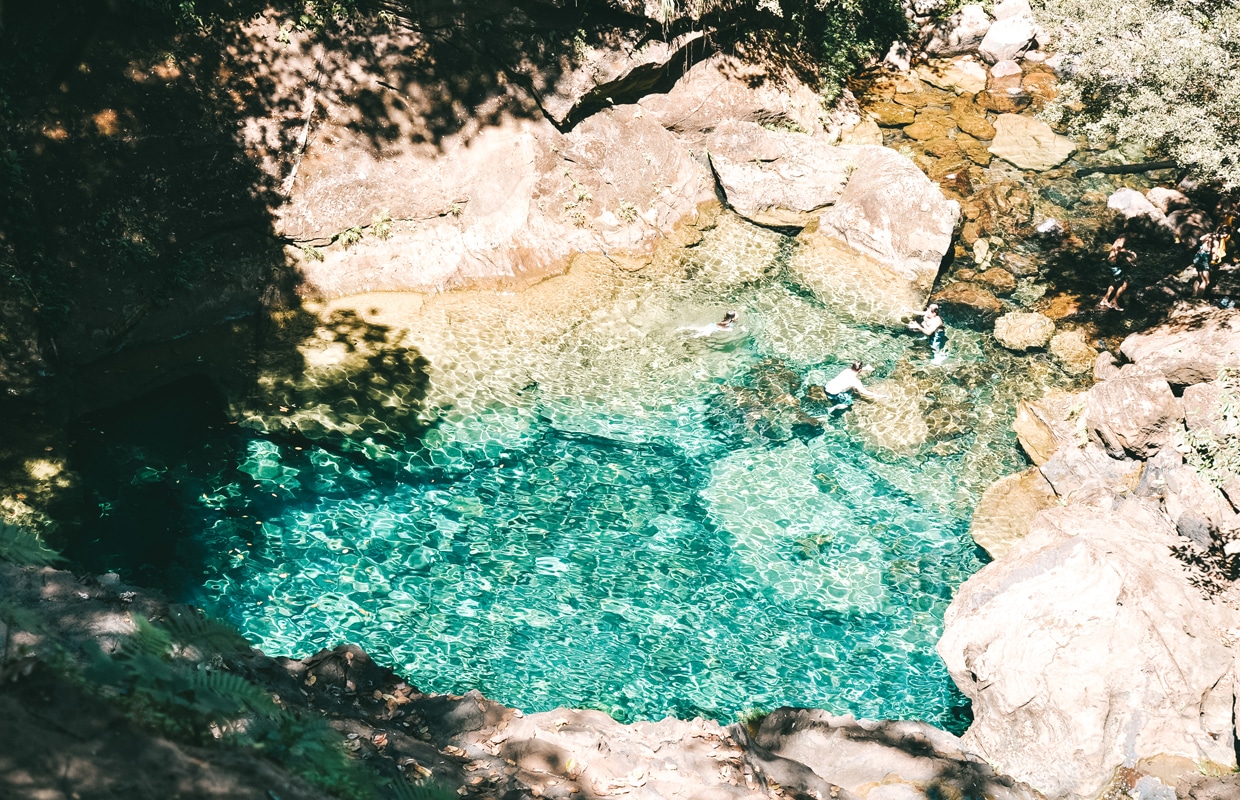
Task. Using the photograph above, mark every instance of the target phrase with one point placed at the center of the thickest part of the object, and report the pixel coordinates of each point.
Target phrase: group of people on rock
(1211, 250)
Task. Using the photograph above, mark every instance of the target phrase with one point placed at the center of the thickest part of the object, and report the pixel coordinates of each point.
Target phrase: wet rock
(723, 87)
(960, 33)
(1073, 352)
(1010, 101)
(890, 226)
(976, 125)
(922, 98)
(777, 178)
(968, 304)
(1189, 349)
(895, 426)
(1024, 330)
(959, 74)
(1065, 647)
(1000, 281)
(942, 147)
(873, 759)
(1008, 38)
(865, 132)
(1044, 425)
(891, 115)
(1132, 415)
(1190, 224)
(1029, 143)
(1041, 86)
(623, 70)
(925, 129)
(1006, 510)
(977, 152)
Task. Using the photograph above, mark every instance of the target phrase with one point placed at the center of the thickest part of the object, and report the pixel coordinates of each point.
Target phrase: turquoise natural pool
(605, 511)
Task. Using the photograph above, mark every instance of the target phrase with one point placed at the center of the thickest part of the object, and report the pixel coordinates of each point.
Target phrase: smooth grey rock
(1167, 200)
(1085, 648)
(1087, 476)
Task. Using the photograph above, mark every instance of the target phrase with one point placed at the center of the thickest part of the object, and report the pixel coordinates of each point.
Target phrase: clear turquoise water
(619, 516)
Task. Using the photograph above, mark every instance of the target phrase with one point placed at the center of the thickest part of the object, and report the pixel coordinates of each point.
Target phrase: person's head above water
(857, 366)
(933, 308)
(728, 318)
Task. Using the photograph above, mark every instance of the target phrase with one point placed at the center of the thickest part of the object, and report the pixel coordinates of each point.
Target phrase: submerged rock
(1085, 649)
(1073, 352)
(1006, 510)
(1024, 330)
(968, 304)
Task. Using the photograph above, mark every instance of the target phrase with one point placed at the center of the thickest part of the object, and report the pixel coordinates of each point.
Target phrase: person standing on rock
(1120, 259)
(931, 324)
(839, 390)
(1207, 250)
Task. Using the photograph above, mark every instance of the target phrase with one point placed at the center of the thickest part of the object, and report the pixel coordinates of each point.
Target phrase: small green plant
(351, 236)
(311, 252)
(1214, 450)
(381, 225)
(627, 212)
(456, 209)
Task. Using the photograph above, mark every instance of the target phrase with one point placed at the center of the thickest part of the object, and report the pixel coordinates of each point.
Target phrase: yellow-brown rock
(977, 152)
(1000, 281)
(975, 125)
(1004, 102)
(891, 115)
(925, 129)
(942, 147)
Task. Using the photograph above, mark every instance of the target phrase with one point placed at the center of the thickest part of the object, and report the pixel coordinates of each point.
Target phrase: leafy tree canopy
(1163, 74)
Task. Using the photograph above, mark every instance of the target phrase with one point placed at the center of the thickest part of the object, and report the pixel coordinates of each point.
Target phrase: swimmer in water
(839, 390)
(931, 324)
(729, 319)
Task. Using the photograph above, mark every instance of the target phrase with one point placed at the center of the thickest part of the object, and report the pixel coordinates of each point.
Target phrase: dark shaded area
(141, 466)
(61, 742)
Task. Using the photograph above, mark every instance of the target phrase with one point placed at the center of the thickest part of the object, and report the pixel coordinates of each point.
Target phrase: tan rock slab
(925, 129)
(1000, 281)
(891, 115)
(1133, 415)
(1024, 330)
(1029, 143)
(864, 132)
(1043, 426)
(959, 74)
(1010, 101)
(1005, 513)
(975, 125)
(977, 152)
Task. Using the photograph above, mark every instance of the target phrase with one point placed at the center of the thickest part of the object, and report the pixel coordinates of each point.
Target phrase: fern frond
(422, 790)
(22, 546)
(148, 639)
(189, 627)
(217, 692)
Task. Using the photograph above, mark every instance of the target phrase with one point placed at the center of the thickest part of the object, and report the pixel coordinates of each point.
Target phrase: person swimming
(931, 324)
(729, 319)
(839, 390)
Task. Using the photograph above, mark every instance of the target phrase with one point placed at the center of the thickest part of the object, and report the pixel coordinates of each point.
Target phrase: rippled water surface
(605, 509)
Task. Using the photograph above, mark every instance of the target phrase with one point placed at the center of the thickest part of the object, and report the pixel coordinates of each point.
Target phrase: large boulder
(778, 178)
(723, 87)
(1085, 649)
(960, 33)
(511, 204)
(958, 74)
(1043, 426)
(1008, 38)
(1024, 330)
(875, 760)
(876, 251)
(1085, 475)
(1132, 205)
(1005, 513)
(1188, 349)
(1132, 415)
(1073, 352)
(1029, 143)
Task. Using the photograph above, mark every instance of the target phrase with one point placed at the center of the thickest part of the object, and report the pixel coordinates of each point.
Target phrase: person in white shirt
(839, 390)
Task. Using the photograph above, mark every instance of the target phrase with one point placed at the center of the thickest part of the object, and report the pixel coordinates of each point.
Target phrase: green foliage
(22, 546)
(381, 225)
(351, 236)
(422, 790)
(1215, 453)
(1160, 74)
(311, 252)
